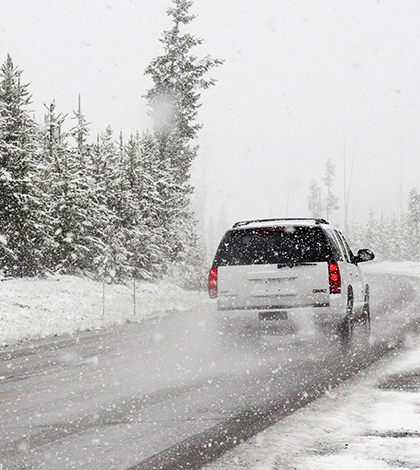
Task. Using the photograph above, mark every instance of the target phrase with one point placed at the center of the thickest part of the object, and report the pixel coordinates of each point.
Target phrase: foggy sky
(302, 82)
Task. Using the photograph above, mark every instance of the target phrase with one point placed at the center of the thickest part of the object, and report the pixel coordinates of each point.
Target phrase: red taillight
(335, 278)
(213, 283)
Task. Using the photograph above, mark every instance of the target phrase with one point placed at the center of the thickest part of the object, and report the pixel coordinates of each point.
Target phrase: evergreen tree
(397, 247)
(53, 176)
(80, 132)
(177, 76)
(132, 180)
(20, 206)
(78, 214)
(146, 180)
(314, 200)
(106, 169)
(53, 138)
(413, 221)
(331, 202)
(174, 98)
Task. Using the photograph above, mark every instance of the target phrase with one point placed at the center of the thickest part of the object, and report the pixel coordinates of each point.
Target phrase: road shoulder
(371, 422)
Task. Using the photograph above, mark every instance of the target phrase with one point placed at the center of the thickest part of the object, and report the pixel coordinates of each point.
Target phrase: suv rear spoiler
(247, 222)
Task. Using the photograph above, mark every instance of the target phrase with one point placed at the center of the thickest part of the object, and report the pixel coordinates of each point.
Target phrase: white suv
(290, 269)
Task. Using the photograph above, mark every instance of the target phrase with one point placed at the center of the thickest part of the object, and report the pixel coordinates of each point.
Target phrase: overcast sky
(302, 82)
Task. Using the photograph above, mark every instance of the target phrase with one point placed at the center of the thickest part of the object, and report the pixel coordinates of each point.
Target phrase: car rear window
(278, 245)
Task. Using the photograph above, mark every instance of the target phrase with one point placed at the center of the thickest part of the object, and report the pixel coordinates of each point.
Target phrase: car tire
(366, 306)
(366, 312)
(347, 326)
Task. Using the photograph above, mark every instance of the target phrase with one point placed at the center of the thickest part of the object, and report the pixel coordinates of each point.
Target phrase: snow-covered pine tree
(394, 235)
(145, 180)
(174, 98)
(177, 76)
(76, 206)
(331, 201)
(53, 183)
(92, 218)
(106, 169)
(80, 132)
(413, 225)
(20, 205)
(314, 200)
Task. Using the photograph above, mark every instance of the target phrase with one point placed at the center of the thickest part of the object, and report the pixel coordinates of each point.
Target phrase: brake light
(335, 278)
(213, 283)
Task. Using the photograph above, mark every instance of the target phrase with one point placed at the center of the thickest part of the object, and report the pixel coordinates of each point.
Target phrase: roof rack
(247, 222)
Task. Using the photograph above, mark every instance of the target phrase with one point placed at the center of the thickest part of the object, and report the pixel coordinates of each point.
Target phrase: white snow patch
(408, 268)
(35, 308)
(360, 426)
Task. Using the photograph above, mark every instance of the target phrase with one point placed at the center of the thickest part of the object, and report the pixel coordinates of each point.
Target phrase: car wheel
(346, 330)
(364, 319)
(366, 312)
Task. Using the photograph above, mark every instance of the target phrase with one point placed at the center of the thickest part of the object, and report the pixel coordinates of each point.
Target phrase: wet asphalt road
(173, 393)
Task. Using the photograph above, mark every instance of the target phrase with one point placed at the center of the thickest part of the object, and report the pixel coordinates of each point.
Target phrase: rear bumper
(332, 313)
(277, 307)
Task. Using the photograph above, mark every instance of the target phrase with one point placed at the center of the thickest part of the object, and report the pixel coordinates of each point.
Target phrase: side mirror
(364, 255)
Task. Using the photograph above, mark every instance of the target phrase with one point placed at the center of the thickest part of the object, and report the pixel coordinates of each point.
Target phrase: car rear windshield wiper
(291, 264)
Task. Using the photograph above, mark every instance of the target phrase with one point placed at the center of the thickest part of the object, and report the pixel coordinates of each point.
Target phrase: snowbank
(35, 308)
(407, 268)
(372, 422)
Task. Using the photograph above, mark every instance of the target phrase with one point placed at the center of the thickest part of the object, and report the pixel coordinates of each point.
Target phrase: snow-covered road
(138, 392)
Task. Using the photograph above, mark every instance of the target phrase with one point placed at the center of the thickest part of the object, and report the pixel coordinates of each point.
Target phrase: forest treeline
(394, 238)
(114, 209)
(391, 238)
(108, 209)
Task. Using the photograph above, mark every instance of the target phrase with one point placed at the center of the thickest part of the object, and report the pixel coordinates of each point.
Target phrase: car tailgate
(273, 286)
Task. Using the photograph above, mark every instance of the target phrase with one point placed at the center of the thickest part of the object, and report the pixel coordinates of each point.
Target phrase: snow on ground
(372, 422)
(409, 268)
(36, 308)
